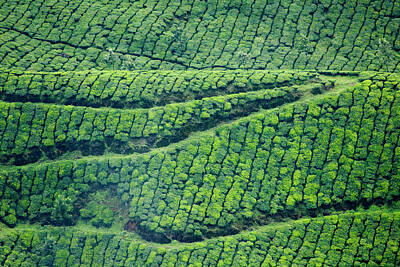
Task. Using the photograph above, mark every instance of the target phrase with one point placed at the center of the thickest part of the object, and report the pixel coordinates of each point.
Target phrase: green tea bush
(33, 130)
(355, 238)
(261, 132)
(139, 89)
(161, 35)
(320, 155)
(99, 210)
(97, 215)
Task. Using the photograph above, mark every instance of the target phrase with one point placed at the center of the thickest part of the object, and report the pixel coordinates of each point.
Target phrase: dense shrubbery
(336, 152)
(29, 130)
(100, 208)
(100, 95)
(141, 89)
(341, 35)
(366, 238)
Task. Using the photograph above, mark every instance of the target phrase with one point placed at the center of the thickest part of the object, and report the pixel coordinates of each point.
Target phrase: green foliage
(97, 215)
(385, 53)
(368, 236)
(293, 161)
(62, 129)
(90, 91)
(62, 212)
(132, 89)
(99, 209)
(201, 35)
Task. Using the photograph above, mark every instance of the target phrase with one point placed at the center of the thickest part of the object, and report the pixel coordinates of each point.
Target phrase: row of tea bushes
(195, 34)
(139, 89)
(353, 239)
(336, 152)
(29, 130)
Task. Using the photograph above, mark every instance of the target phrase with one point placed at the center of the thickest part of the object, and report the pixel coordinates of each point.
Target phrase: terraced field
(200, 133)
(50, 35)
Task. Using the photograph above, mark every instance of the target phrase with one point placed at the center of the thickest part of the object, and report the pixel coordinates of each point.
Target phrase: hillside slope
(200, 133)
(51, 35)
(362, 238)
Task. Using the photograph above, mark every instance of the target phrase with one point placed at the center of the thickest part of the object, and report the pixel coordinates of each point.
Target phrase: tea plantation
(200, 133)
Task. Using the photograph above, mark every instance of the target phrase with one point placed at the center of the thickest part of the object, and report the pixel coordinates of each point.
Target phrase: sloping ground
(43, 132)
(195, 133)
(31, 131)
(139, 89)
(48, 35)
(334, 152)
(352, 239)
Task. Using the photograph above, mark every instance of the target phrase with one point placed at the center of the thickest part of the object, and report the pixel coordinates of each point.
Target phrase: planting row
(353, 239)
(138, 89)
(336, 152)
(257, 34)
(30, 130)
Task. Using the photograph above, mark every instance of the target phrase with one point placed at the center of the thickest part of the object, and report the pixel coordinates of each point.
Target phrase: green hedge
(255, 34)
(353, 239)
(141, 89)
(336, 152)
(30, 130)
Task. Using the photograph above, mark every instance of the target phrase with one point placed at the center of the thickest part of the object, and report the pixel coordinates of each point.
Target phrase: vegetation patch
(200, 133)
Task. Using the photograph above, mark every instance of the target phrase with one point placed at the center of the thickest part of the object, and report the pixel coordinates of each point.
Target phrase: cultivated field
(200, 133)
